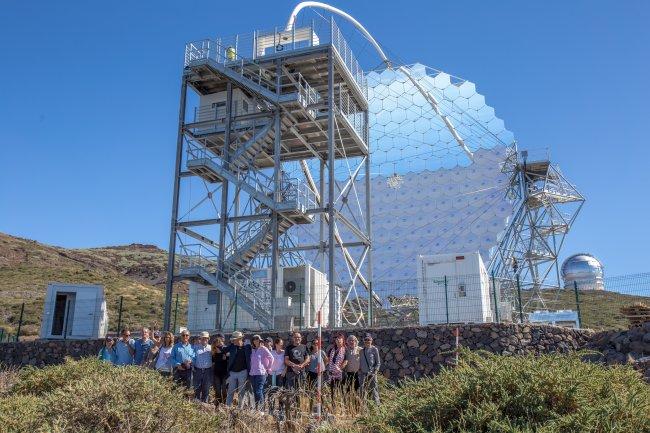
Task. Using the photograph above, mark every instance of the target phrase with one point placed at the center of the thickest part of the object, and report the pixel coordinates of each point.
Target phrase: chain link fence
(409, 302)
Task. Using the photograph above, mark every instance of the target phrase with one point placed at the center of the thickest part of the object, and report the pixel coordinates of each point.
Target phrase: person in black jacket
(220, 369)
(239, 363)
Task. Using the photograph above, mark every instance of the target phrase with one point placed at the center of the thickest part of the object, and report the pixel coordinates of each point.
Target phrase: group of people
(256, 366)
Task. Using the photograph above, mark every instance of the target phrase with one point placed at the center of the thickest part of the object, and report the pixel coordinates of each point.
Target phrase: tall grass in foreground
(485, 393)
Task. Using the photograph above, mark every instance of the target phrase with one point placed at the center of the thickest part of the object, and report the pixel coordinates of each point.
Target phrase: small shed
(454, 288)
(74, 311)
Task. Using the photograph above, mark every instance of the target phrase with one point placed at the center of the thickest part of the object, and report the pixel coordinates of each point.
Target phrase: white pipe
(357, 24)
(427, 95)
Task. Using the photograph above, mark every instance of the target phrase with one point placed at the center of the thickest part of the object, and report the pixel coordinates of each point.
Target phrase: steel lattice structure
(267, 101)
(284, 166)
(547, 206)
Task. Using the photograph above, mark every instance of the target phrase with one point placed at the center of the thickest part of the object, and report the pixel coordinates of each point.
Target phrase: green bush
(92, 396)
(491, 393)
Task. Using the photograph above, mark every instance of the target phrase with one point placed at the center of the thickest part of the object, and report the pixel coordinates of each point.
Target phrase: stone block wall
(406, 352)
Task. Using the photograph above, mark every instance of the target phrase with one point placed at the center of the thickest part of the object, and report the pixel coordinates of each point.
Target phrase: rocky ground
(631, 346)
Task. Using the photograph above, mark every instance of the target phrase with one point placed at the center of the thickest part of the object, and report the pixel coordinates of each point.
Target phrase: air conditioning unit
(290, 288)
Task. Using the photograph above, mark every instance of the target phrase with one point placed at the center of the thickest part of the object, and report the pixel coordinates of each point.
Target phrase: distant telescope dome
(584, 269)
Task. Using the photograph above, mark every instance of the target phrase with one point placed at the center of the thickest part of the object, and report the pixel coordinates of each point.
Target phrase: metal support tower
(271, 106)
(547, 206)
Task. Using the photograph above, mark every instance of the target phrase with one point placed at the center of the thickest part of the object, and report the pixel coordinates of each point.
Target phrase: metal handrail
(198, 255)
(242, 49)
(348, 107)
(342, 47)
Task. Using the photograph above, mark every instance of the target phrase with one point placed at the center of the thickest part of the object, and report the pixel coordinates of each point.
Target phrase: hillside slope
(136, 272)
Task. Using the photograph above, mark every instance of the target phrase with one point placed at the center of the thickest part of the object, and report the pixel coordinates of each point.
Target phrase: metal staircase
(265, 102)
(291, 201)
(254, 296)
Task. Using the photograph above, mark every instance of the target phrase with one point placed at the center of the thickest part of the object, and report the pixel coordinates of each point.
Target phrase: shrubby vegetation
(491, 393)
(91, 396)
(485, 393)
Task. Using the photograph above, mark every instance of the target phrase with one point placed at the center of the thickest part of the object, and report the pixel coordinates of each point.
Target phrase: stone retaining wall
(406, 352)
(631, 346)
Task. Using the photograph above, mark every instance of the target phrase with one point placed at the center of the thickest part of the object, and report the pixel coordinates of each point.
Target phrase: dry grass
(485, 393)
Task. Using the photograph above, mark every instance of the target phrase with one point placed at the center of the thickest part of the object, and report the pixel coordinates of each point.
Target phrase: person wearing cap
(107, 352)
(369, 369)
(202, 368)
(183, 356)
(261, 361)
(239, 364)
(220, 369)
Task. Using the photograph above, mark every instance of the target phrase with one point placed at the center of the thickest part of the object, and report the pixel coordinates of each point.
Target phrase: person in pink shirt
(261, 361)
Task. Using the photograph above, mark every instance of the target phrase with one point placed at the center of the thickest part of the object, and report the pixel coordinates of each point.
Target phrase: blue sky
(89, 103)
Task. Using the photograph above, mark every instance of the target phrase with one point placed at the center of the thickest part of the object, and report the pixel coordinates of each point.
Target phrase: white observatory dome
(584, 269)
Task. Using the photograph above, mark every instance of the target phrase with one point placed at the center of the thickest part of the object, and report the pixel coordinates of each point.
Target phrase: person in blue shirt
(202, 374)
(183, 358)
(142, 348)
(124, 348)
(107, 352)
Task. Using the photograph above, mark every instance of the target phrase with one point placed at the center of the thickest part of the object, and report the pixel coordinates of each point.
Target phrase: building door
(63, 314)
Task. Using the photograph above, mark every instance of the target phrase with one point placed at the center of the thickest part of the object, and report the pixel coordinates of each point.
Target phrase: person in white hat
(239, 364)
(203, 368)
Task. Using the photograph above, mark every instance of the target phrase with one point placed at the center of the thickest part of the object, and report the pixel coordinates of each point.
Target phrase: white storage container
(301, 292)
(454, 288)
(74, 311)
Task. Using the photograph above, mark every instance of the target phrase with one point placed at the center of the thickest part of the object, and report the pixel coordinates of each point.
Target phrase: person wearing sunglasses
(369, 369)
(124, 348)
(183, 357)
(107, 353)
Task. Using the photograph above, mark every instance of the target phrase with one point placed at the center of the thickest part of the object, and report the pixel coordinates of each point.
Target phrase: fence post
(521, 307)
(234, 325)
(494, 293)
(175, 315)
(2, 334)
(20, 321)
(119, 317)
(446, 300)
(575, 288)
(300, 306)
(370, 301)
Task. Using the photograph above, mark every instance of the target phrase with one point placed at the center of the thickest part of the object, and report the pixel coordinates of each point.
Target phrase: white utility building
(74, 311)
(301, 293)
(454, 288)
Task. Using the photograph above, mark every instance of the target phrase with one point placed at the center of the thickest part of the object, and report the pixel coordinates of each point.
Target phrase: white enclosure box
(453, 288)
(564, 318)
(296, 38)
(301, 292)
(213, 106)
(74, 311)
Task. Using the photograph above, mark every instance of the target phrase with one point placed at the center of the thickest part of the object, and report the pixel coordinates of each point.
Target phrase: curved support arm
(357, 24)
(428, 96)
